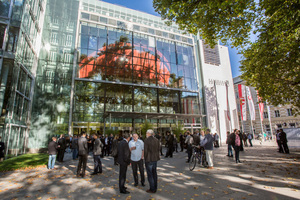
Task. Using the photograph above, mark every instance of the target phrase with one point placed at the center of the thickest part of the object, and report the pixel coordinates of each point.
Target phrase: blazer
(123, 153)
(52, 148)
(82, 146)
(97, 147)
(62, 143)
(151, 149)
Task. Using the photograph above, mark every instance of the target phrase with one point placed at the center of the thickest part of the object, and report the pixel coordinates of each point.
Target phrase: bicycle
(198, 156)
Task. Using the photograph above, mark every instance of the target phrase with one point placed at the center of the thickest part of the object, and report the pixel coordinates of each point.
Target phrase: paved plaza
(263, 174)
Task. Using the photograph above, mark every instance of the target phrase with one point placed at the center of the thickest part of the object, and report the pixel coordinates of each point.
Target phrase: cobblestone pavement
(263, 174)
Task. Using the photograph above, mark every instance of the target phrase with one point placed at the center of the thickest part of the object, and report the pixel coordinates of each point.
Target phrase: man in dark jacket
(2, 148)
(52, 150)
(124, 161)
(170, 144)
(83, 154)
(62, 147)
(151, 156)
(97, 147)
(283, 140)
(75, 147)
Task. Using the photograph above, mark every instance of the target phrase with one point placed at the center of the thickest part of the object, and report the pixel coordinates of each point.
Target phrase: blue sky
(147, 6)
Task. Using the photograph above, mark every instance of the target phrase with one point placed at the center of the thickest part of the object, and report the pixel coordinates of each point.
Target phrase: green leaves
(271, 63)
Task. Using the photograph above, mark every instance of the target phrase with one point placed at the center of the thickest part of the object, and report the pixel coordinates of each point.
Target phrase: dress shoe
(124, 192)
(150, 191)
(239, 161)
(93, 173)
(210, 167)
(135, 184)
(143, 184)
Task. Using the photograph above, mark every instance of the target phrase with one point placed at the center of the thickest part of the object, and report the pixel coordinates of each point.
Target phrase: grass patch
(24, 161)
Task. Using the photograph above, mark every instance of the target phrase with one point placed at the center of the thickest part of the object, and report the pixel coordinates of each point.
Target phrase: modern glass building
(73, 65)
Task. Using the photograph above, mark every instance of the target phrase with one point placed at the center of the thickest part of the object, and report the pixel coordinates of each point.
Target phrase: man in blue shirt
(136, 147)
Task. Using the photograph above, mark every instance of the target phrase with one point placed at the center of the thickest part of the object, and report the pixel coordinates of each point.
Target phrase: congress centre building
(68, 66)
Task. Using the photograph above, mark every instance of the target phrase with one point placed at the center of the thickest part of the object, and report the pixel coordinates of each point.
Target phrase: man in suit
(52, 150)
(82, 154)
(2, 148)
(62, 147)
(284, 141)
(124, 161)
(97, 147)
(151, 156)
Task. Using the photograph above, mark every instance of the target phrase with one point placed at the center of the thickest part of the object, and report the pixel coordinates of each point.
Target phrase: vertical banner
(242, 97)
(261, 107)
(250, 104)
(228, 108)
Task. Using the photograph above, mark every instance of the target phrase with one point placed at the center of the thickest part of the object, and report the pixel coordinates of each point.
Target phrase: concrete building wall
(215, 78)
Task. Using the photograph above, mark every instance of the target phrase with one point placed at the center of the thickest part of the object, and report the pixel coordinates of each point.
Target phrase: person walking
(284, 141)
(62, 148)
(82, 154)
(97, 147)
(136, 147)
(151, 154)
(75, 147)
(228, 142)
(208, 144)
(52, 151)
(2, 148)
(124, 161)
(236, 143)
(250, 137)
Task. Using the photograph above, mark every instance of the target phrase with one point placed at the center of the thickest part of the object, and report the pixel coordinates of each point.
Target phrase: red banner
(242, 98)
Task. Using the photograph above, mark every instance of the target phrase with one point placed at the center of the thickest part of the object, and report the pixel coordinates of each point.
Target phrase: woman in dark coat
(115, 149)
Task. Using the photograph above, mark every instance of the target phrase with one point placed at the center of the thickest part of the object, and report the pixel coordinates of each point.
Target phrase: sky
(147, 6)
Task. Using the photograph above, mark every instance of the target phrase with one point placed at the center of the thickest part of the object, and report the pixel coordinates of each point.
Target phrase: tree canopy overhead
(271, 64)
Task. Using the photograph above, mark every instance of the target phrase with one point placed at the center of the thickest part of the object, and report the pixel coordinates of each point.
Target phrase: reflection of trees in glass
(120, 62)
(145, 99)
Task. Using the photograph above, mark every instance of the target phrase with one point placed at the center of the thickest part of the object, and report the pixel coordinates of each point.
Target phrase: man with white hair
(136, 147)
(151, 154)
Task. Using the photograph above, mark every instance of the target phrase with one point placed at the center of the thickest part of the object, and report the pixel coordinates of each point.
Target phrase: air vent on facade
(211, 56)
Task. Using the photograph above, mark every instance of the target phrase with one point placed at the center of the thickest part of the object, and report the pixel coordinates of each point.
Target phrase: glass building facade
(68, 66)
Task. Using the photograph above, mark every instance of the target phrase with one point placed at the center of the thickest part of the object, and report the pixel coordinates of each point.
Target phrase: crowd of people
(131, 149)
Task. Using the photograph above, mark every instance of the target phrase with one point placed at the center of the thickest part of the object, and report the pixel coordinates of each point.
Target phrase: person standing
(189, 142)
(170, 144)
(136, 147)
(241, 142)
(181, 140)
(124, 161)
(82, 154)
(208, 144)
(175, 143)
(236, 143)
(52, 151)
(2, 148)
(284, 141)
(97, 147)
(228, 142)
(62, 147)
(216, 140)
(151, 154)
(114, 151)
(158, 136)
(75, 147)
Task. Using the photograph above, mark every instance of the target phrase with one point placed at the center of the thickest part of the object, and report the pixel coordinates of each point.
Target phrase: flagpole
(269, 116)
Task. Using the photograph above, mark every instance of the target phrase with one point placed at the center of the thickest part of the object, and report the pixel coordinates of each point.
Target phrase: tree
(271, 64)
(147, 125)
